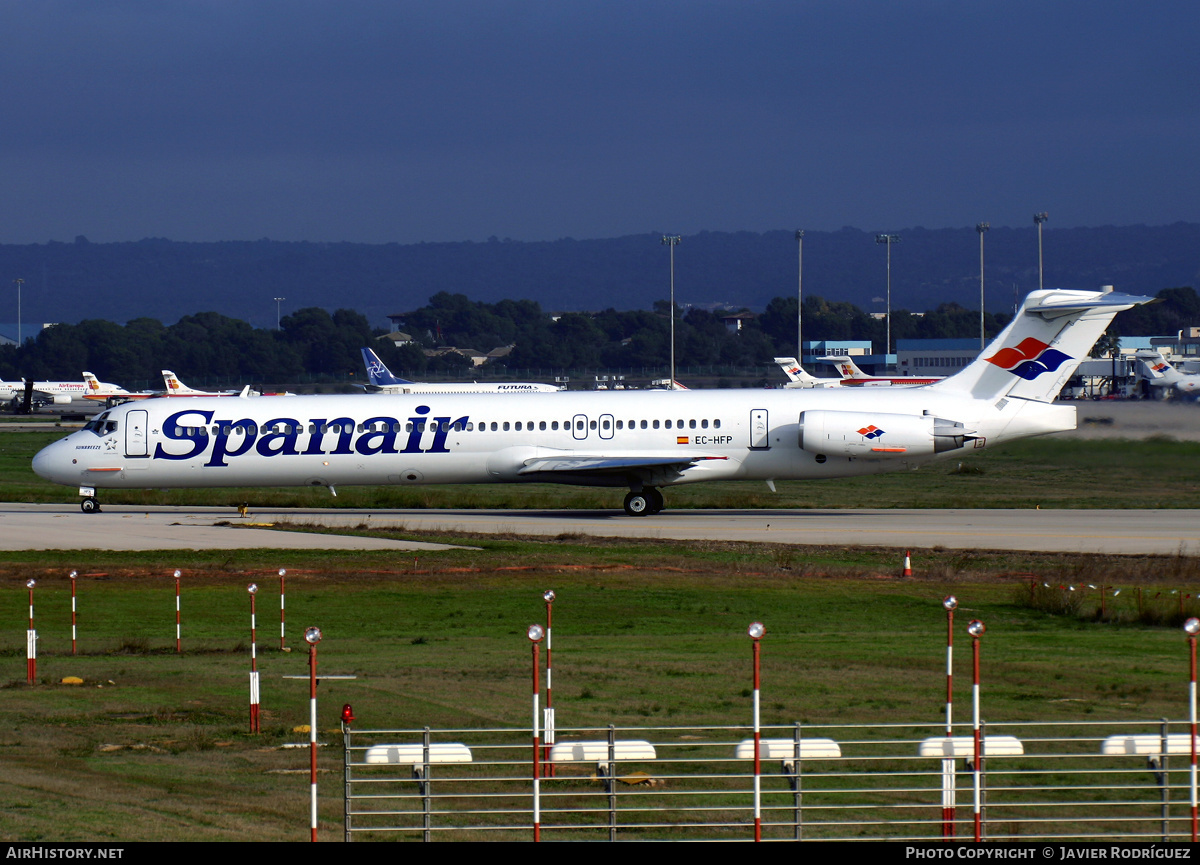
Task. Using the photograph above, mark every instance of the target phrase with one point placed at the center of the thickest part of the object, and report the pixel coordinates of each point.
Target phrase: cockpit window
(101, 425)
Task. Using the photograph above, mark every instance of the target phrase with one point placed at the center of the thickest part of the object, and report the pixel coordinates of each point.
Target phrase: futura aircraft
(638, 440)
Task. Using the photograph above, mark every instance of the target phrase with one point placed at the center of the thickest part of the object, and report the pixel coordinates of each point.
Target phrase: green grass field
(154, 745)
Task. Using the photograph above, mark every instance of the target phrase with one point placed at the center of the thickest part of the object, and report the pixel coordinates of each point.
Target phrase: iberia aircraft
(639, 440)
(853, 376)
(174, 387)
(62, 392)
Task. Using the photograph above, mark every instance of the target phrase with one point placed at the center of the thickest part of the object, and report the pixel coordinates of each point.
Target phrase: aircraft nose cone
(48, 462)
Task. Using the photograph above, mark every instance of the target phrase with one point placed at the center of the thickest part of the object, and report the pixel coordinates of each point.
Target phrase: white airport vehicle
(61, 392)
(382, 381)
(1155, 371)
(640, 440)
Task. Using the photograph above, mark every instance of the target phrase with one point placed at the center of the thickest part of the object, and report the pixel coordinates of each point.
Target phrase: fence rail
(1120, 781)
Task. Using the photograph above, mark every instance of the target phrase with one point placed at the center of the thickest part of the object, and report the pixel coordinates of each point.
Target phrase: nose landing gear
(89, 505)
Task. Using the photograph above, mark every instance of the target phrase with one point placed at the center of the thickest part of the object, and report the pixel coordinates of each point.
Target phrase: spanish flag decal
(681, 440)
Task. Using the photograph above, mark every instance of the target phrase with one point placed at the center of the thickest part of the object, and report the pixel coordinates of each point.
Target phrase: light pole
(1192, 627)
(672, 240)
(949, 604)
(800, 297)
(756, 631)
(254, 690)
(976, 629)
(889, 239)
(1038, 219)
(278, 301)
(548, 596)
(73, 575)
(30, 639)
(981, 228)
(536, 633)
(312, 636)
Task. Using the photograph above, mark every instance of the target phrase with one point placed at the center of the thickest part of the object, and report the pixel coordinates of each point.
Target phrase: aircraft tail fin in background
(846, 366)
(798, 376)
(92, 383)
(1155, 367)
(1040, 349)
(377, 372)
(173, 385)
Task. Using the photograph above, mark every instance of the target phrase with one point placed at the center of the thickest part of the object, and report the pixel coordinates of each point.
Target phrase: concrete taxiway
(120, 527)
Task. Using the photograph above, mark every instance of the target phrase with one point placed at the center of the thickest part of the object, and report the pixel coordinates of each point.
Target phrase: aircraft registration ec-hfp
(642, 440)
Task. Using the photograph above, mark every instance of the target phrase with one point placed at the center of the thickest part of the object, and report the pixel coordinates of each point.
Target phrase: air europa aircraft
(642, 440)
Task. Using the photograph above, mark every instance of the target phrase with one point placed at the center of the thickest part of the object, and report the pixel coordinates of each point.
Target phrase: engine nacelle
(62, 399)
(878, 435)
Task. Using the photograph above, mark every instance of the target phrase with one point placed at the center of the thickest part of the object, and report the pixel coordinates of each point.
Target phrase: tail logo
(870, 432)
(375, 368)
(1029, 359)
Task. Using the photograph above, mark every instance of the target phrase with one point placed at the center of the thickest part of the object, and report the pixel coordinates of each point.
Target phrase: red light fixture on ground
(347, 714)
(757, 631)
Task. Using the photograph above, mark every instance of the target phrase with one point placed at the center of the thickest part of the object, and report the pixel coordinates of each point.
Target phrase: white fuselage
(663, 437)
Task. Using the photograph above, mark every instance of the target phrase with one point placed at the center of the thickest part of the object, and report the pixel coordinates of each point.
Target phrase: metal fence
(1039, 781)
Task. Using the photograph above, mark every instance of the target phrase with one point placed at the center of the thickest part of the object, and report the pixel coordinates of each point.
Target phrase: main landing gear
(648, 500)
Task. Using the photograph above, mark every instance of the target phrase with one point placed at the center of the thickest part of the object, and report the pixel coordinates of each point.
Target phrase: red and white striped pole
(178, 643)
(949, 604)
(1192, 627)
(535, 634)
(282, 574)
(253, 590)
(31, 639)
(312, 636)
(548, 597)
(73, 575)
(756, 632)
(976, 629)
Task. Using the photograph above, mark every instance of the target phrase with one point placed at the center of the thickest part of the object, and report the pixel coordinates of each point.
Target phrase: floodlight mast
(888, 239)
(672, 240)
(800, 297)
(1038, 219)
(981, 228)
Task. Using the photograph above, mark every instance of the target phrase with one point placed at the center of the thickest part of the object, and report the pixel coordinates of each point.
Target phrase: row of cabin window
(381, 426)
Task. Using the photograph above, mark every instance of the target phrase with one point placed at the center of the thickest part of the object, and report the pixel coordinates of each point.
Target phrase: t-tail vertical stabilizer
(377, 372)
(1040, 349)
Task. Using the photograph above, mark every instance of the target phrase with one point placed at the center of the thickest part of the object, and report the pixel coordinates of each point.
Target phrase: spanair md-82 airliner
(640, 440)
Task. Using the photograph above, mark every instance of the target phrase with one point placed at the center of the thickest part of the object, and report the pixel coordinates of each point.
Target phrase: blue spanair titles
(198, 434)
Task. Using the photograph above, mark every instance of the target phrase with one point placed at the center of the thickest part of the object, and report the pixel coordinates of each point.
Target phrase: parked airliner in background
(640, 440)
(853, 376)
(62, 392)
(174, 387)
(1156, 372)
(382, 381)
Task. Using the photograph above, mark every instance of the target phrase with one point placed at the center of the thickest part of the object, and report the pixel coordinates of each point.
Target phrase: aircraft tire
(89, 505)
(656, 499)
(637, 504)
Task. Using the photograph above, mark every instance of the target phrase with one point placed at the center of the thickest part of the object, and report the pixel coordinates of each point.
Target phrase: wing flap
(595, 464)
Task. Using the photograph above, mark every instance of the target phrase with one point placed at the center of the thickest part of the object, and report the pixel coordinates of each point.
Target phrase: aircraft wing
(611, 465)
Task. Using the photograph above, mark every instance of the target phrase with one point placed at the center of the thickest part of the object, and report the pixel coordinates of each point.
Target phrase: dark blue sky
(399, 121)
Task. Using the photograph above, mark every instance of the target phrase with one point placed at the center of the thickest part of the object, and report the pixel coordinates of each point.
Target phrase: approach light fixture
(1192, 626)
(347, 714)
(950, 602)
(535, 633)
(548, 596)
(29, 584)
(312, 636)
(178, 574)
(252, 588)
(976, 628)
(73, 574)
(756, 630)
(283, 572)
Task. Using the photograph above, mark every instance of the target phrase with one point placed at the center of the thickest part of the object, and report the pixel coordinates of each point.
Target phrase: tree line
(314, 344)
